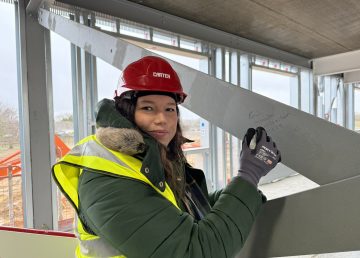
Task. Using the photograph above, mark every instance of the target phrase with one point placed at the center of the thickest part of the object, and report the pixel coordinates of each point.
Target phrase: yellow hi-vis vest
(90, 154)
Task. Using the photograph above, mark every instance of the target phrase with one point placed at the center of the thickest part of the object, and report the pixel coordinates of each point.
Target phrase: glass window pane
(235, 154)
(330, 99)
(227, 66)
(357, 109)
(194, 128)
(234, 68)
(219, 63)
(107, 79)
(261, 61)
(11, 206)
(200, 160)
(305, 90)
(228, 154)
(285, 67)
(272, 85)
(327, 97)
(276, 65)
(63, 116)
(340, 105)
(244, 71)
(104, 24)
(134, 30)
(220, 159)
(196, 160)
(165, 38)
(190, 44)
(321, 97)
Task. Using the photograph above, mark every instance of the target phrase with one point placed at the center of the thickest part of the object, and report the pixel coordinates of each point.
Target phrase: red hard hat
(151, 73)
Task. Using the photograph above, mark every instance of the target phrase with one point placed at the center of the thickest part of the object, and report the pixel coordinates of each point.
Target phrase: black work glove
(258, 156)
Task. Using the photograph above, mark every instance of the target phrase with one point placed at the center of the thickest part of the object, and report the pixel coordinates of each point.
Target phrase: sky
(275, 87)
(8, 70)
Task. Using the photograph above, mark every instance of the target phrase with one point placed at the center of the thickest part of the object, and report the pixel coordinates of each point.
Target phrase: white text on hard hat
(161, 75)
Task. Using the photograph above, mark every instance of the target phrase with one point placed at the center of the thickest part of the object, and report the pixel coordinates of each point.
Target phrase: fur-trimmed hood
(118, 133)
(125, 140)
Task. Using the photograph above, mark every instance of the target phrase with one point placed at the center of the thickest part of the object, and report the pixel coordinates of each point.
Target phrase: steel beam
(37, 126)
(336, 64)
(33, 6)
(321, 151)
(352, 77)
(24, 129)
(151, 17)
(322, 220)
(78, 104)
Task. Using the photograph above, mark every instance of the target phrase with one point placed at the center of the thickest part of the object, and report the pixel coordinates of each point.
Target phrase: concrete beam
(336, 64)
(352, 77)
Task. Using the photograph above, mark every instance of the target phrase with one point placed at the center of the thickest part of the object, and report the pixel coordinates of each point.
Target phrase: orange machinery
(14, 160)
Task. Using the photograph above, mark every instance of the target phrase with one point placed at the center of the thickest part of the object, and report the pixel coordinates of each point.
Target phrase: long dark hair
(172, 156)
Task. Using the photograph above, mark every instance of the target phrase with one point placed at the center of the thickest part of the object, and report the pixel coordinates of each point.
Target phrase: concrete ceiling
(308, 28)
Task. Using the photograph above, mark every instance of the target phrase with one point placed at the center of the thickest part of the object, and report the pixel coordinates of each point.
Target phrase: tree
(9, 125)
(66, 117)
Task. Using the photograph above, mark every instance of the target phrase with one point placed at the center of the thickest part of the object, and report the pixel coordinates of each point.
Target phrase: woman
(135, 194)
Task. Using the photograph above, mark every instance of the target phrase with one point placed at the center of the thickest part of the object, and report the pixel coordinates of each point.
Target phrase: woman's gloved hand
(258, 156)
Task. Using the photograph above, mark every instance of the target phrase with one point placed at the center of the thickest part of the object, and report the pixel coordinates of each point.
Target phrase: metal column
(35, 130)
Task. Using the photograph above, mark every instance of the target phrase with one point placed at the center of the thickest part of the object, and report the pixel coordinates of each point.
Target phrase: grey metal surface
(352, 77)
(279, 172)
(38, 123)
(350, 115)
(142, 14)
(336, 64)
(24, 129)
(309, 145)
(33, 6)
(319, 150)
(323, 220)
(78, 109)
(52, 147)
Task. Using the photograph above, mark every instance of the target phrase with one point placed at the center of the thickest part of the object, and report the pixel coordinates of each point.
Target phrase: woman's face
(157, 116)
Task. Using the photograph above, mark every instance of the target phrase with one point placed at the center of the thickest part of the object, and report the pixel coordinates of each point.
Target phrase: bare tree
(9, 125)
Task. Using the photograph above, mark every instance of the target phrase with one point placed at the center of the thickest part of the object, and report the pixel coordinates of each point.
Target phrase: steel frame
(154, 18)
(322, 220)
(352, 77)
(336, 64)
(23, 89)
(34, 92)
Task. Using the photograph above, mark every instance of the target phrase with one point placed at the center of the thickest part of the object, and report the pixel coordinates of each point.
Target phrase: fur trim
(124, 140)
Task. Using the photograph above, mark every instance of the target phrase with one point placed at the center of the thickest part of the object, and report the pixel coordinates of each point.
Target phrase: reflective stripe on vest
(95, 247)
(90, 154)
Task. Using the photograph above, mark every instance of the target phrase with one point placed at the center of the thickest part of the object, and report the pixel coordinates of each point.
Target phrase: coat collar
(107, 116)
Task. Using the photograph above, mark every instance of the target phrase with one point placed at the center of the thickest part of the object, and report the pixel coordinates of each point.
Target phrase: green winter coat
(132, 217)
